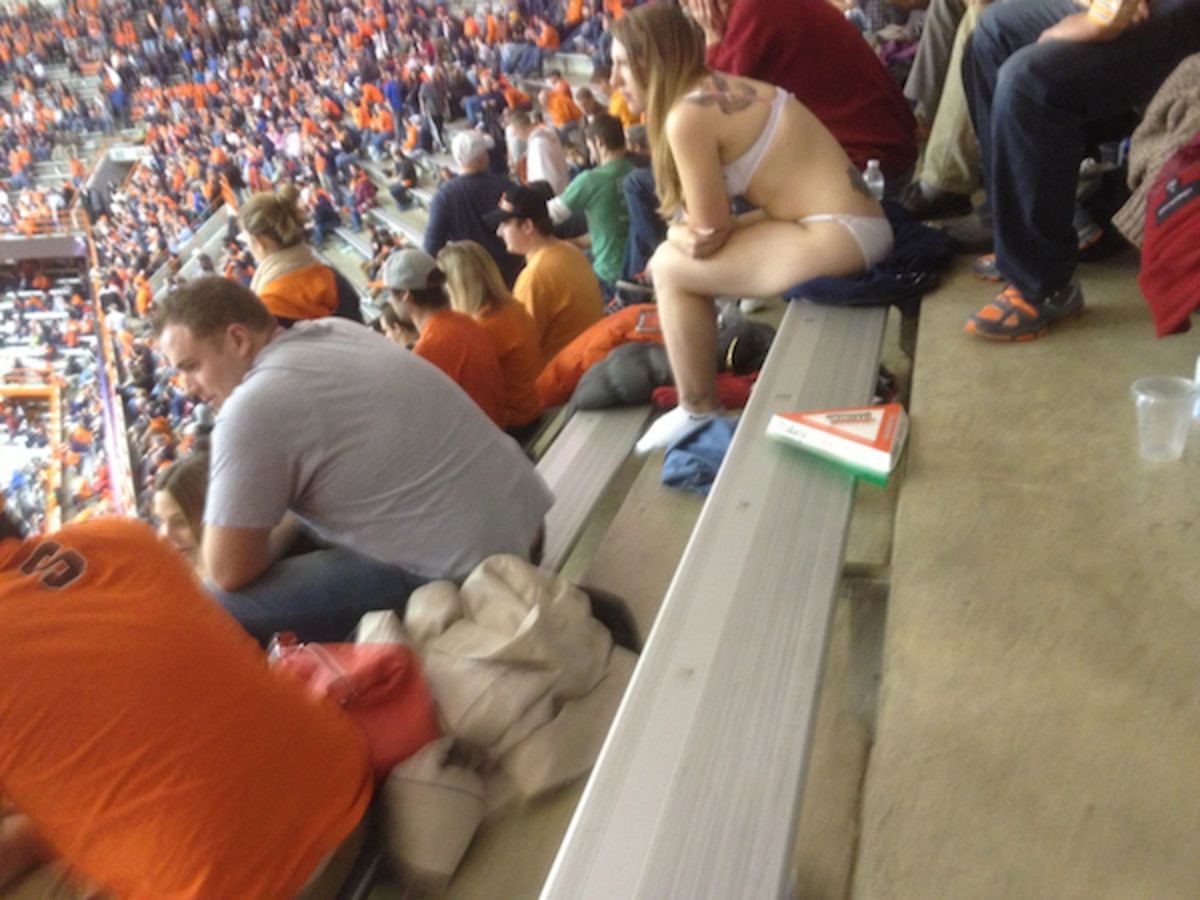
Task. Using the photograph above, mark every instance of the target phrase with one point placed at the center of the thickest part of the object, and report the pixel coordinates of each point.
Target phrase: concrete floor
(1038, 725)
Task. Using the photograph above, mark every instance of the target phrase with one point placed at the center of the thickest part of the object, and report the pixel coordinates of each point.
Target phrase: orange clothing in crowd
(562, 110)
(145, 736)
(458, 345)
(371, 94)
(411, 133)
(514, 97)
(619, 108)
(383, 121)
(548, 39)
(514, 337)
(307, 293)
(143, 298)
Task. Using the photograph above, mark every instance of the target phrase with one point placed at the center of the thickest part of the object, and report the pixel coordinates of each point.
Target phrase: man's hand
(712, 16)
(1079, 27)
(698, 243)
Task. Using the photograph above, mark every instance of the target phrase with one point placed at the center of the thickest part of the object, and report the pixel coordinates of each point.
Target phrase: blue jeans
(1032, 105)
(380, 139)
(320, 596)
(473, 109)
(343, 161)
(646, 229)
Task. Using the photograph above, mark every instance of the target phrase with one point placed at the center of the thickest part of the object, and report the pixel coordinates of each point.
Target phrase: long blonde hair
(276, 214)
(472, 278)
(666, 54)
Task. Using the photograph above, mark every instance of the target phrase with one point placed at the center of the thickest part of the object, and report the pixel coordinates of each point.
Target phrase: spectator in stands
(597, 192)
(252, 790)
(395, 329)
(949, 171)
(563, 112)
(409, 481)
(325, 215)
(557, 286)
(363, 193)
(179, 493)
(1039, 73)
(434, 104)
(715, 137)
(451, 340)
(289, 279)
(544, 156)
(458, 208)
(478, 289)
(405, 173)
(807, 48)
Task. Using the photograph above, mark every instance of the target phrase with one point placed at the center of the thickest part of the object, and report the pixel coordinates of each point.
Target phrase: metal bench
(579, 465)
(698, 788)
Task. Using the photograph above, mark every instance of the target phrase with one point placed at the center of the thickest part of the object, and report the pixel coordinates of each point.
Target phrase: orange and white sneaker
(1011, 317)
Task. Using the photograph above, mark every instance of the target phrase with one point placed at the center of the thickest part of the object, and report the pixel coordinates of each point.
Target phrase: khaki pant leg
(931, 64)
(951, 160)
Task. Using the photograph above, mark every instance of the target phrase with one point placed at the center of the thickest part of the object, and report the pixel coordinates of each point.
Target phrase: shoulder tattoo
(727, 97)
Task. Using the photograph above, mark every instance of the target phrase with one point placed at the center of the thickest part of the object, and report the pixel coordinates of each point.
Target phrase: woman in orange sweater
(477, 288)
(289, 279)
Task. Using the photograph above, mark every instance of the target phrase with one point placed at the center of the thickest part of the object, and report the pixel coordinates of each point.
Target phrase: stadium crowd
(273, 434)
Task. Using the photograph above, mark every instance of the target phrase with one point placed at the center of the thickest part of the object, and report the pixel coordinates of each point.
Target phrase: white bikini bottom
(872, 233)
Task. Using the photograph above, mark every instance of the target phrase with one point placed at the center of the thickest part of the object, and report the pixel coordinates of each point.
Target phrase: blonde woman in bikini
(715, 137)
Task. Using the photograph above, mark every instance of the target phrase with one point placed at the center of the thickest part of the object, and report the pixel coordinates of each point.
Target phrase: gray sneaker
(1065, 303)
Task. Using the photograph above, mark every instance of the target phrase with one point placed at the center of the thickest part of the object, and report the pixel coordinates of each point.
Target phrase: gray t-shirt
(374, 448)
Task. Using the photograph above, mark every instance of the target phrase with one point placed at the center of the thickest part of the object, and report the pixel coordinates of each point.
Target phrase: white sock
(670, 427)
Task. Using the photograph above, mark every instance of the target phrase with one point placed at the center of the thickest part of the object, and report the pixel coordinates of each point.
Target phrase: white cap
(468, 146)
(407, 269)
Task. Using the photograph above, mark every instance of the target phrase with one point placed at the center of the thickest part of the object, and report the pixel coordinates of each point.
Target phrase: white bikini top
(738, 173)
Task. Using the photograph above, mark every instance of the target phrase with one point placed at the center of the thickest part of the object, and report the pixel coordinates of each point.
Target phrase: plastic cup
(1164, 410)
(1110, 155)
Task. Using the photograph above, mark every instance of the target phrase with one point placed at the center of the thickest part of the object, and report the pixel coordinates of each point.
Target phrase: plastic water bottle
(1196, 410)
(873, 176)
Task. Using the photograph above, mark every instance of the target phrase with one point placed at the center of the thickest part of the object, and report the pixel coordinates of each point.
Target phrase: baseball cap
(406, 270)
(468, 146)
(522, 203)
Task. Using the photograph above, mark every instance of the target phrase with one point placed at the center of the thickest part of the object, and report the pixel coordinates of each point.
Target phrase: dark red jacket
(807, 47)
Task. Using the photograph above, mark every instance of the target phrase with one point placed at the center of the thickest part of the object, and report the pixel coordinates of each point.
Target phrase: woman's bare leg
(760, 260)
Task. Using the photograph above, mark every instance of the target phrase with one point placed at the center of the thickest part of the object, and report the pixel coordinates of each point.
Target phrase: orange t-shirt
(459, 346)
(548, 39)
(144, 734)
(514, 337)
(562, 109)
(371, 94)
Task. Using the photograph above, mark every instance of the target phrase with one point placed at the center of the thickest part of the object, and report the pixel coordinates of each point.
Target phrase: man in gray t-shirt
(374, 449)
